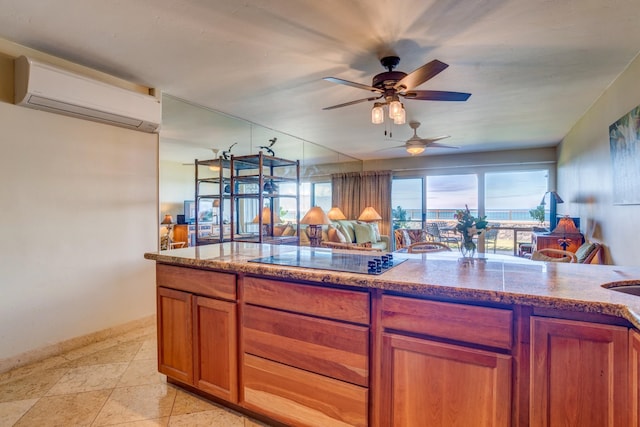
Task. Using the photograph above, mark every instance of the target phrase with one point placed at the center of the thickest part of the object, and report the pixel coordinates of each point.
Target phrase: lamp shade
(335, 214)
(566, 226)
(266, 217)
(315, 216)
(369, 214)
(168, 219)
(553, 196)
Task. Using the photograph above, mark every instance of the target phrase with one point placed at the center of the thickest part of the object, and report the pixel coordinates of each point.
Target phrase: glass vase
(468, 248)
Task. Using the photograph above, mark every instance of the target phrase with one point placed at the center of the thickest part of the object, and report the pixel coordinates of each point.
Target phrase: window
(406, 202)
(510, 195)
(321, 195)
(448, 193)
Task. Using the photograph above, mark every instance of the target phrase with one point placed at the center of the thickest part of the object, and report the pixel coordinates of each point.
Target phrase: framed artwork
(624, 140)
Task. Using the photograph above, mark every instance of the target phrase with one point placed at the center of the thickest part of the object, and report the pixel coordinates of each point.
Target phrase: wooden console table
(550, 240)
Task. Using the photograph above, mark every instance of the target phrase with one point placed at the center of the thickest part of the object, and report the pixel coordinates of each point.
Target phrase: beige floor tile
(32, 386)
(217, 417)
(23, 371)
(89, 378)
(120, 353)
(149, 350)
(10, 412)
(128, 404)
(78, 409)
(141, 372)
(187, 403)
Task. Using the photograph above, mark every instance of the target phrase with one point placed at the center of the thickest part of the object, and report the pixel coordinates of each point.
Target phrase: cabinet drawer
(201, 282)
(339, 304)
(335, 349)
(467, 323)
(301, 398)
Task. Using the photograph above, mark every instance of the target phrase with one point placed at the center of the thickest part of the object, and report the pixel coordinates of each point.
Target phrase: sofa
(343, 234)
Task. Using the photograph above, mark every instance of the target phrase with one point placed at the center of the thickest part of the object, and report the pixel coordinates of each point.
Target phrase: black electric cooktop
(326, 259)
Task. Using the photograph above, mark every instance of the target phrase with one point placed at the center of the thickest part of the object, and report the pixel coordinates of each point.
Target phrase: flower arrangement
(469, 227)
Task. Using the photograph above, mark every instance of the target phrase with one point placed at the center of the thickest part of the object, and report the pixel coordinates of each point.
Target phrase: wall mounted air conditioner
(46, 87)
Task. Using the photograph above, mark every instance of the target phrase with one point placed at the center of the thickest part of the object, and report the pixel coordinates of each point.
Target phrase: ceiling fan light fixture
(394, 108)
(415, 149)
(377, 114)
(401, 117)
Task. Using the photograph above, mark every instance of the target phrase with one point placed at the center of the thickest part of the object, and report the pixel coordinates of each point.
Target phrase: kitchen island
(435, 340)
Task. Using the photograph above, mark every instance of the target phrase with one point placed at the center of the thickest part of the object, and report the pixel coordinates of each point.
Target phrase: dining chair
(433, 231)
(547, 255)
(423, 247)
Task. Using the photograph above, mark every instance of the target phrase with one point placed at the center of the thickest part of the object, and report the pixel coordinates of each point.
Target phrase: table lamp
(266, 220)
(335, 214)
(168, 221)
(315, 219)
(369, 215)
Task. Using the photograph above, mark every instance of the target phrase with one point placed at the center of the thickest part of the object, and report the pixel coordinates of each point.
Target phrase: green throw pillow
(584, 251)
(364, 233)
(346, 227)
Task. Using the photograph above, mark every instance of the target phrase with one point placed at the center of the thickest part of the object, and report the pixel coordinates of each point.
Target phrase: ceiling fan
(391, 85)
(416, 145)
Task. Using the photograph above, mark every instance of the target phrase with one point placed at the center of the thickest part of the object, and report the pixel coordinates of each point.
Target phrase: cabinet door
(634, 377)
(578, 374)
(175, 334)
(216, 370)
(427, 383)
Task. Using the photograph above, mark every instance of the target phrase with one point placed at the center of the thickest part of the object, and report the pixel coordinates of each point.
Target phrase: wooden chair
(553, 255)
(423, 247)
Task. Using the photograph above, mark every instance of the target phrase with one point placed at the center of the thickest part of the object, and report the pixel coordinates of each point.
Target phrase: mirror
(190, 132)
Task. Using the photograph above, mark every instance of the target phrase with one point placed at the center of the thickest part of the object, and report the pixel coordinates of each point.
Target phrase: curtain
(354, 191)
(345, 193)
(375, 191)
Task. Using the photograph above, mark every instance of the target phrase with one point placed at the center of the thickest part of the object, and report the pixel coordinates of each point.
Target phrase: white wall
(584, 172)
(78, 208)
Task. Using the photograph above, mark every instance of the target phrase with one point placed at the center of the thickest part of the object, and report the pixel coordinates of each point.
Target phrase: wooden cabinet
(197, 332)
(552, 241)
(215, 348)
(181, 234)
(428, 382)
(578, 374)
(634, 378)
(175, 334)
(306, 353)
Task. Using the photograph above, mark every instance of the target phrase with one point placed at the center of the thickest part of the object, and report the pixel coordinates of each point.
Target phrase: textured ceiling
(533, 67)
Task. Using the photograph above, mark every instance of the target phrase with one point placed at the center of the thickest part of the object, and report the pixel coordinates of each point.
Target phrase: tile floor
(114, 382)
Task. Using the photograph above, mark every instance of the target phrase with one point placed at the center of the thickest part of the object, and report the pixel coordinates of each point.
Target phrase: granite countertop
(496, 278)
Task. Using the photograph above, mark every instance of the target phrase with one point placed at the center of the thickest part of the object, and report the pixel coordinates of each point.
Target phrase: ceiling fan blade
(438, 145)
(352, 102)
(437, 95)
(352, 84)
(432, 140)
(420, 75)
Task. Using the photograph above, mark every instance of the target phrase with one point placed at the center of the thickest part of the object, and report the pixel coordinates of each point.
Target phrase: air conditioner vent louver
(45, 87)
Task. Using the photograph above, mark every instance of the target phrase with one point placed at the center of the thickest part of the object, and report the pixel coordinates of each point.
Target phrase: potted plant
(538, 215)
(469, 227)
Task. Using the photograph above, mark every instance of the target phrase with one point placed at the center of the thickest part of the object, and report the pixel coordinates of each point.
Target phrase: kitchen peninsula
(435, 340)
